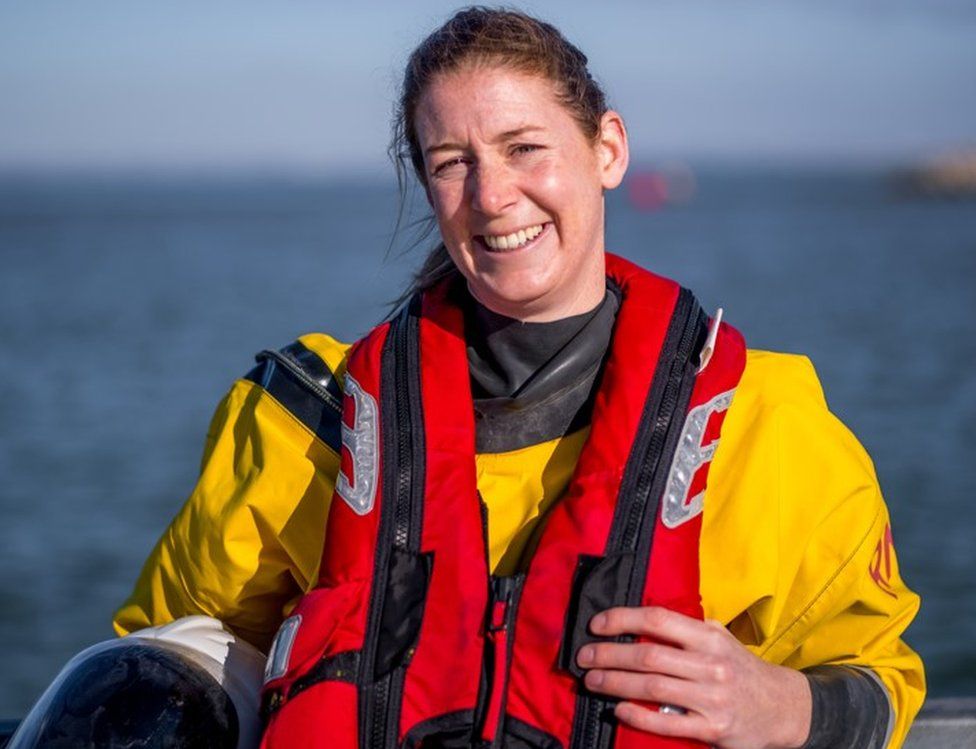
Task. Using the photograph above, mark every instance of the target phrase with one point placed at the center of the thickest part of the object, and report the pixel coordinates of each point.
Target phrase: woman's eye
(448, 165)
(525, 148)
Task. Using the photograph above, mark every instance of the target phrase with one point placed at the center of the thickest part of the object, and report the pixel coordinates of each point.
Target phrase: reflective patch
(280, 651)
(689, 456)
(361, 440)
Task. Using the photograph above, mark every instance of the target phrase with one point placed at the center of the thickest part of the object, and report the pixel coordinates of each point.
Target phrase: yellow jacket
(795, 551)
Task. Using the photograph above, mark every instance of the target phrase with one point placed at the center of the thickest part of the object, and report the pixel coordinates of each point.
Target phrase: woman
(514, 145)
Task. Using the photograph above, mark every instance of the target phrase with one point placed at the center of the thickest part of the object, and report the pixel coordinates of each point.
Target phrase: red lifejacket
(407, 640)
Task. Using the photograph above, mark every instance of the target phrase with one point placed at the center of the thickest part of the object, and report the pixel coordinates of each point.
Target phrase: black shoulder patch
(304, 384)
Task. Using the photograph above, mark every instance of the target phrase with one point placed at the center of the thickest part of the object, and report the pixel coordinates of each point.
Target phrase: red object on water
(647, 191)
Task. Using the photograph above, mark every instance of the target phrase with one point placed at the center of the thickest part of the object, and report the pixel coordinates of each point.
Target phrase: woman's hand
(732, 699)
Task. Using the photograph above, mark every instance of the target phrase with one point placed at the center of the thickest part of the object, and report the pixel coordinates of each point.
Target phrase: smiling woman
(502, 155)
(502, 518)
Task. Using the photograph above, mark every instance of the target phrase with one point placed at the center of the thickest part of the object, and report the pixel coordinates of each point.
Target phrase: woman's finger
(686, 725)
(662, 624)
(644, 687)
(648, 657)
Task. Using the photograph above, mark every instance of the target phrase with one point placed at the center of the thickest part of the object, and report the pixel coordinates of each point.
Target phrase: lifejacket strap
(401, 572)
(666, 402)
(638, 504)
(340, 667)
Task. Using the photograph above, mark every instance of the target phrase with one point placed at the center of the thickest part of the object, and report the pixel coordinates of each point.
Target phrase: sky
(295, 86)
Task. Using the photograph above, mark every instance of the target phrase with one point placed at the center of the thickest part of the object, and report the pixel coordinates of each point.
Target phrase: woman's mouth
(517, 240)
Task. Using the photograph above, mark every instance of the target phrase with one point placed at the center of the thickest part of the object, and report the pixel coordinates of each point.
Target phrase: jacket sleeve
(795, 511)
(248, 541)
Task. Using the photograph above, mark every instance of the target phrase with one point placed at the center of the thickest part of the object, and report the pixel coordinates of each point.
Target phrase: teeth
(514, 240)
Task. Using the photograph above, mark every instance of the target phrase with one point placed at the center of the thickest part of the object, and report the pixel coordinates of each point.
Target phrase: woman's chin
(526, 302)
(519, 302)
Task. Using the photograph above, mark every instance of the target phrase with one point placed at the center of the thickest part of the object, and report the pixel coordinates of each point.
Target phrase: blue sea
(128, 306)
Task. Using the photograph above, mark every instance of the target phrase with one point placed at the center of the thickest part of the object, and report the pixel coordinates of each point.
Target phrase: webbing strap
(618, 578)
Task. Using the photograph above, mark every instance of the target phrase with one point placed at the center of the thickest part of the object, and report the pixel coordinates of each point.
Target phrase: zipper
(586, 725)
(299, 374)
(650, 483)
(487, 675)
(401, 528)
(406, 533)
(380, 699)
(652, 442)
(634, 531)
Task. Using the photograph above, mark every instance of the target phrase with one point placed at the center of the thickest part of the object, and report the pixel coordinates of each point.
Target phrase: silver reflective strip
(689, 455)
(281, 648)
(361, 440)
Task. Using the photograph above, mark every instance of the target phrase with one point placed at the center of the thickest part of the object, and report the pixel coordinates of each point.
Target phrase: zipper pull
(498, 620)
(499, 615)
(501, 596)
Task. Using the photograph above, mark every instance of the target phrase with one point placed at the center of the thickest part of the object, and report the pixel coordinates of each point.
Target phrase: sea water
(128, 306)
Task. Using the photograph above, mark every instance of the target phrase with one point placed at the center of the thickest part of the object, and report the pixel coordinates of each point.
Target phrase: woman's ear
(613, 151)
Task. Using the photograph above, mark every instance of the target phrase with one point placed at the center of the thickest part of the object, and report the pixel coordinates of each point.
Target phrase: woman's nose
(493, 189)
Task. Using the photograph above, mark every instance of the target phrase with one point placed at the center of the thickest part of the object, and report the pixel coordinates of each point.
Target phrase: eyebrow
(506, 136)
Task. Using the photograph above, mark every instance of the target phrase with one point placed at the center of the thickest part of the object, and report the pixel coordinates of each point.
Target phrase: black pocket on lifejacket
(403, 608)
(598, 584)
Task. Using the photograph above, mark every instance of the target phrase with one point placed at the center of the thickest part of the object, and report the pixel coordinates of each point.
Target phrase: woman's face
(517, 189)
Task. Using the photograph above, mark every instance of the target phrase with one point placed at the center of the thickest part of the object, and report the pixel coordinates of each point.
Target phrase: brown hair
(493, 36)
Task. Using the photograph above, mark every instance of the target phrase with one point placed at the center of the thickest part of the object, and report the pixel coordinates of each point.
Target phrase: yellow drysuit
(795, 548)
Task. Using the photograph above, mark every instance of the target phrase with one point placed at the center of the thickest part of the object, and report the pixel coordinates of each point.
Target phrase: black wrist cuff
(850, 709)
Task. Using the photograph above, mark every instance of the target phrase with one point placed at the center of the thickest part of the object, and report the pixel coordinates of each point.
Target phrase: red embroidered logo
(880, 569)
